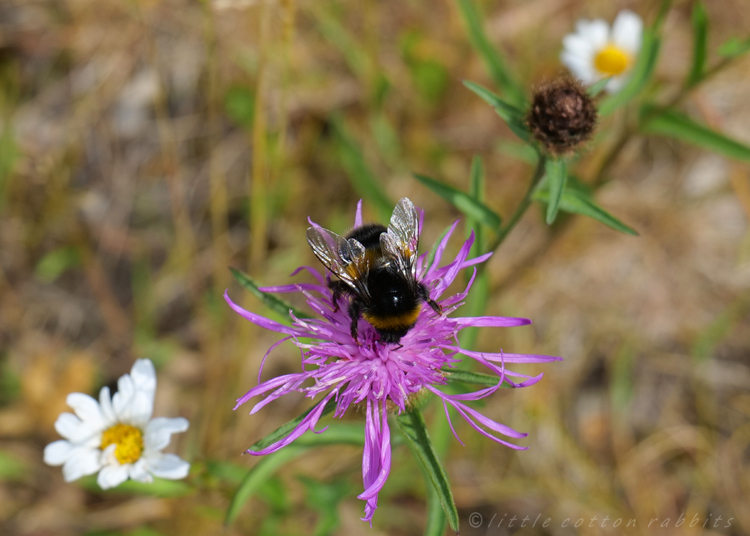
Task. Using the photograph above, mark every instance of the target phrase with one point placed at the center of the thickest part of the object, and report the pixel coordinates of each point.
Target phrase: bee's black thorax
(394, 304)
(390, 299)
(368, 235)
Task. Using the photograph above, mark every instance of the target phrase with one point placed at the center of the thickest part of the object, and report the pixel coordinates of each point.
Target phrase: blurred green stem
(520, 209)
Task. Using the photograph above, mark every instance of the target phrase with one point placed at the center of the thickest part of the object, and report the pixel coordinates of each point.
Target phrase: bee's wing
(345, 258)
(402, 239)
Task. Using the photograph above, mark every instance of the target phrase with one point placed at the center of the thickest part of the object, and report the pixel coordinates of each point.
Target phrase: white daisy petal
(67, 425)
(580, 68)
(141, 408)
(107, 456)
(138, 472)
(144, 376)
(112, 475)
(627, 31)
(58, 452)
(122, 398)
(77, 431)
(86, 407)
(82, 462)
(159, 431)
(168, 466)
(105, 405)
(595, 32)
(576, 45)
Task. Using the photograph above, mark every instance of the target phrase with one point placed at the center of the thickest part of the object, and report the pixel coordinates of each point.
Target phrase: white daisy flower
(117, 437)
(595, 51)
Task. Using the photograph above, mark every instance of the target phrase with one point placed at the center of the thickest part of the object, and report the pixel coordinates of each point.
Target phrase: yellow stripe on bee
(395, 321)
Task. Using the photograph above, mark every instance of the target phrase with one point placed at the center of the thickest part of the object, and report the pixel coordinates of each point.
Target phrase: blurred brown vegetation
(148, 145)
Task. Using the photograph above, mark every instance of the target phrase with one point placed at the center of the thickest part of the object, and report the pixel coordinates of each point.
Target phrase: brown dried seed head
(562, 116)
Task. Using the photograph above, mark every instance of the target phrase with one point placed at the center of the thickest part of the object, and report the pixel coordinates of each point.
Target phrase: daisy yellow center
(611, 60)
(129, 441)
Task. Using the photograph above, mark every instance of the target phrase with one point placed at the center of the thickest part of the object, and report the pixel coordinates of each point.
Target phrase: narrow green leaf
(700, 33)
(436, 520)
(325, 498)
(490, 55)
(476, 191)
(276, 304)
(641, 75)
(598, 87)
(360, 175)
(661, 16)
(336, 434)
(557, 175)
(512, 116)
(680, 127)
(344, 433)
(576, 202)
(734, 47)
(463, 202)
(354, 52)
(285, 429)
(413, 426)
(263, 470)
(158, 488)
(229, 472)
(474, 378)
(573, 201)
(476, 179)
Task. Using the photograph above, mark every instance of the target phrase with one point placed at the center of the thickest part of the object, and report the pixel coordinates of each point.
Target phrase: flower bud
(562, 115)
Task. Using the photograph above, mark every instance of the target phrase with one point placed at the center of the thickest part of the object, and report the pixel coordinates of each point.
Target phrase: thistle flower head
(562, 116)
(383, 376)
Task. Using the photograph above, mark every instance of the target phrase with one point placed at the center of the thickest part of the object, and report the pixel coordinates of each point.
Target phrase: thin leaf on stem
(491, 56)
(509, 113)
(272, 302)
(680, 127)
(414, 429)
(700, 33)
(463, 202)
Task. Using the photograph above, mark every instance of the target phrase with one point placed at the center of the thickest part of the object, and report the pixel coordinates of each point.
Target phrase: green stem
(522, 206)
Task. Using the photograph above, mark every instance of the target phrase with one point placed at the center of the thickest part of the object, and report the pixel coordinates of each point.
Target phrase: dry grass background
(148, 145)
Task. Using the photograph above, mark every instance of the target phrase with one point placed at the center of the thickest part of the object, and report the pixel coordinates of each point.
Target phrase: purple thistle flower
(375, 373)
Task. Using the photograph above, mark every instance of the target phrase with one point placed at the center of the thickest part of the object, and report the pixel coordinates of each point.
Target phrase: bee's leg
(425, 295)
(354, 315)
(339, 289)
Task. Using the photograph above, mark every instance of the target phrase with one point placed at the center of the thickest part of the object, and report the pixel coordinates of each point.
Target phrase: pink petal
(491, 321)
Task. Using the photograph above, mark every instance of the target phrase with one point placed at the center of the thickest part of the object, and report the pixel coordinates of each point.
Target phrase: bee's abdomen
(401, 321)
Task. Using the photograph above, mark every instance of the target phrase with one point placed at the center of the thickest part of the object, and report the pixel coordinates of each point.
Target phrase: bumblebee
(376, 269)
